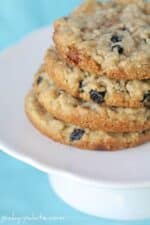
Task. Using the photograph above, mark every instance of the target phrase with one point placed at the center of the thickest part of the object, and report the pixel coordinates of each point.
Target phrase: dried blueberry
(118, 48)
(65, 17)
(116, 38)
(124, 28)
(39, 80)
(146, 99)
(80, 84)
(76, 134)
(97, 96)
(144, 132)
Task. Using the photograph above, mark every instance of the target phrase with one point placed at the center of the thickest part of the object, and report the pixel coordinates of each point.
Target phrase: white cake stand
(113, 185)
(105, 202)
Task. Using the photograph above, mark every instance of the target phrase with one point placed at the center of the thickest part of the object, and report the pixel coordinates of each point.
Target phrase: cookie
(88, 114)
(76, 136)
(99, 89)
(110, 38)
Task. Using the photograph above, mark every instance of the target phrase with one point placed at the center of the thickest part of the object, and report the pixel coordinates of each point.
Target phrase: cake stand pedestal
(105, 202)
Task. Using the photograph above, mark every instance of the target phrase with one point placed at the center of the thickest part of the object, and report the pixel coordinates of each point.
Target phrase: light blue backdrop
(24, 191)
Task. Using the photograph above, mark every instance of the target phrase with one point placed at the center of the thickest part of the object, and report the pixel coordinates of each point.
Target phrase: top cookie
(110, 38)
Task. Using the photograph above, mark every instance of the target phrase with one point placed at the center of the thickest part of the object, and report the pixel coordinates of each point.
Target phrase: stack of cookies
(93, 89)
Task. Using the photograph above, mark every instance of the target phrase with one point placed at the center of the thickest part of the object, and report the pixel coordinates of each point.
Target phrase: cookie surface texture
(99, 89)
(107, 38)
(88, 114)
(66, 133)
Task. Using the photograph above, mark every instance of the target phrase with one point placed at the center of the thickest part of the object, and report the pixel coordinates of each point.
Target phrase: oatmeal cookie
(99, 89)
(87, 114)
(70, 134)
(110, 38)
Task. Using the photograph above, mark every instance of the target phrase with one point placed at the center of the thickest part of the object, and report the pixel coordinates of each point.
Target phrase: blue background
(25, 191)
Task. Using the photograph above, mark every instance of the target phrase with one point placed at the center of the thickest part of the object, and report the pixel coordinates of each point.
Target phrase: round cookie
(76, 136)
(100, 89)
(88, 114)
(107, 38)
